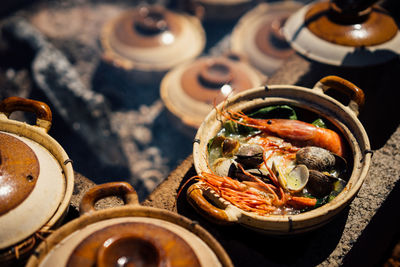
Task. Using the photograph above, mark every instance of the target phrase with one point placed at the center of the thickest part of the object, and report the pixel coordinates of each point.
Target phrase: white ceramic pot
(150, 40)
(36, 178)
(355, 52)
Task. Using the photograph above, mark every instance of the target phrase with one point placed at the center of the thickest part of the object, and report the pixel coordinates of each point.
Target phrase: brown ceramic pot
(130, 234)
(217, 10)
(258, 35)
(344, 119)
(36, 179)
(344, 33)
(150, 40)
(190, 90)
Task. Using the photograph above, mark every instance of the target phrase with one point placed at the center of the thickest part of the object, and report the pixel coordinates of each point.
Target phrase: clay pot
(190, 91)
(344, 119)
(130, 234)
(258, 35)
(344, 33)
(149, 40)
(34, 169)
(217, 10)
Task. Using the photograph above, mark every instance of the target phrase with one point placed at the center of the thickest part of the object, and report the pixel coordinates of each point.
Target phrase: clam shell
(315, 158)
(295, 180)
(319, 184)
(250, 156)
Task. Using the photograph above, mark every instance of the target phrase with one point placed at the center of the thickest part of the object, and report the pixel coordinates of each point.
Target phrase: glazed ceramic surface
(344, 118)
(333, 51)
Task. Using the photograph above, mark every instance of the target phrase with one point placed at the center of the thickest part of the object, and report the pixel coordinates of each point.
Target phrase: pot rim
(302, 96)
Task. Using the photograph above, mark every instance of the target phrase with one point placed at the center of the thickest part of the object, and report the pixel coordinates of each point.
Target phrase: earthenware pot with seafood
(281, 159)
(128, 235)
(36, 179)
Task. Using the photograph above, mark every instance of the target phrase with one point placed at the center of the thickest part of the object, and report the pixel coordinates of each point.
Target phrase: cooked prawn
(295, 131)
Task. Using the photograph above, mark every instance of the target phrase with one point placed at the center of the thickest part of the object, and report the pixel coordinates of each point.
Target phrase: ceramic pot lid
(258, 35)
(130, 235)
(133, 243)
(344, 33)
(19, 170)
(151, 38)
(30, 175)
(190, 90)
(31, 209)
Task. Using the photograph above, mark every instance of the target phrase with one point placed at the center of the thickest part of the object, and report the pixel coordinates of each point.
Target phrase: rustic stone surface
(359, 236)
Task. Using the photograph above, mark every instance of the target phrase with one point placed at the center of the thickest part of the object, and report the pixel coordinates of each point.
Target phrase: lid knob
(215, 74)
(277, 37)
(353, 6)
(130, 250)
(350, 11)
(151, 21)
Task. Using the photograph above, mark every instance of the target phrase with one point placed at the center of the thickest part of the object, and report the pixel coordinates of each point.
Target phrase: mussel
(320, 159)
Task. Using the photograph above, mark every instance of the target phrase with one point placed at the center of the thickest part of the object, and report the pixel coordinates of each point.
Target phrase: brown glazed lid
(133, 244)
(270, 40)
(351, 23)
(258, 35)
(19, 171)
(151, 38)
(190, 91)
(213, 79)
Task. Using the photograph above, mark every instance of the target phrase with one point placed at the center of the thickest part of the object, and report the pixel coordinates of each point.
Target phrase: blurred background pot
(258, 35)
(217, 10)
(149, 40)
(190, 91)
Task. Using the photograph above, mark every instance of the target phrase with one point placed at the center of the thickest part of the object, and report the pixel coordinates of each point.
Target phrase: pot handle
(40, 109)
(202, 205)
(356, 95)
(121, 189)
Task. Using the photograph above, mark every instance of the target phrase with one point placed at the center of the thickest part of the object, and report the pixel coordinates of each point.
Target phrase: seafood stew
(276, 160)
